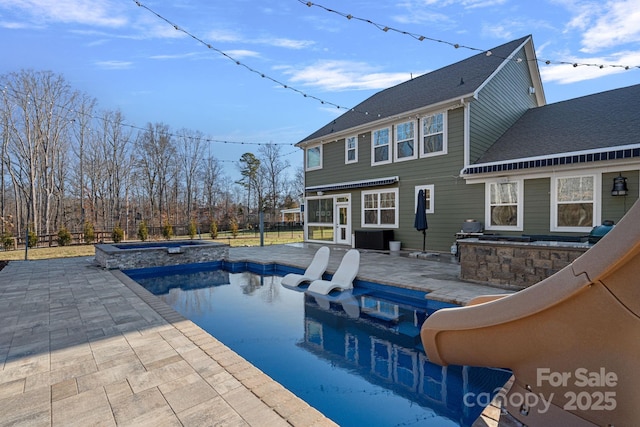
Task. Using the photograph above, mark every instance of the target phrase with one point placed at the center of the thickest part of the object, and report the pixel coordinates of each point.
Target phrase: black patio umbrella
(420, 222)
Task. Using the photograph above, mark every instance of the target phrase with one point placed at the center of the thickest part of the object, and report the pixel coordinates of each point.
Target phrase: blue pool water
(356, 356)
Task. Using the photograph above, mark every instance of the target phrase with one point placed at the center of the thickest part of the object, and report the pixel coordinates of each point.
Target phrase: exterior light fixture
(619, 186)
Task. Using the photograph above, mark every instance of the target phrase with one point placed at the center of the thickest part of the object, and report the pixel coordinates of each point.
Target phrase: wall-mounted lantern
(619, 186)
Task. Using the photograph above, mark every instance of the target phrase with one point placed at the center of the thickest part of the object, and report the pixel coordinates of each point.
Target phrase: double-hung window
(380, 147)
(313, 158)
(351, 149)
(434, 135)
(380, 208)
(574, 203)
(504, 206)
(405, 140)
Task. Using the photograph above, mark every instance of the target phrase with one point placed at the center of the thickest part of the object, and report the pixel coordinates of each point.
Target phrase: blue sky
(130, 59)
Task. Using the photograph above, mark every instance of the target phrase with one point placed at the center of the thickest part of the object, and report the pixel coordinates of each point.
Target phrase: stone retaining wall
(513, 265)
(111, 257)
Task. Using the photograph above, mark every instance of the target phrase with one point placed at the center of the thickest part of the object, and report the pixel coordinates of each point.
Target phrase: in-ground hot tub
(154, 254)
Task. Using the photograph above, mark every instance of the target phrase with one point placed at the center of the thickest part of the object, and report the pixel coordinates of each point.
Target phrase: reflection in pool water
(355, 356)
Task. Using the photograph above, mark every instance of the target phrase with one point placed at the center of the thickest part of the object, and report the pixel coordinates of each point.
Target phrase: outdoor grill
(599, 231)
(471, 226)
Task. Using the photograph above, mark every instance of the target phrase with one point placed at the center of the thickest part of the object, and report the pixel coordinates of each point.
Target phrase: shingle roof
(602, 120)
(428, 89)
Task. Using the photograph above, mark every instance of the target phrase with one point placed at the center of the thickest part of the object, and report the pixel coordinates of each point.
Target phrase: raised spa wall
(125, 256)
(515, 265)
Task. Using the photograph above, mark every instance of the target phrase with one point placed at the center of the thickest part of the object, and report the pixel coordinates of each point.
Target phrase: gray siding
(500, 103)
(335, 170)
(454, 200)
(537, 206)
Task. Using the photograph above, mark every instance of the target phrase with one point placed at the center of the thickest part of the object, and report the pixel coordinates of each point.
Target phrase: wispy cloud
(618, 25)
(604, 24)
(230, 36)
(286, 43)
(567, 73)
(242, 53)
(343, 75)
(13, 25)
(186, 55)
(104, 13)
(114, 65)
(424, 11)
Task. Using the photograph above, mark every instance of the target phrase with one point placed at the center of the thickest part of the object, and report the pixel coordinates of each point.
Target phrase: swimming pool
(355, 356)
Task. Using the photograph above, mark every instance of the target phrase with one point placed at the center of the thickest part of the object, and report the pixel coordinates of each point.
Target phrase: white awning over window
(376, 182)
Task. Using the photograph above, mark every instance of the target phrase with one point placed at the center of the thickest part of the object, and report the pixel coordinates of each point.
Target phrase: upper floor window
(351, 149)
(380, 208)
(313, 158)
(380, 148)
(574, 203)
(405, 141)
(434, 135)
(504, 206)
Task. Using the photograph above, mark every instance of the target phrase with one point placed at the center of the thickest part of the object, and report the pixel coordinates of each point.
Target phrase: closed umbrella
(420, 222)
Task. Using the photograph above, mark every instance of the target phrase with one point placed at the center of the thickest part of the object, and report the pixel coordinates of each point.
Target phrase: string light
(237, 62)
(261, 74)
(420, 37)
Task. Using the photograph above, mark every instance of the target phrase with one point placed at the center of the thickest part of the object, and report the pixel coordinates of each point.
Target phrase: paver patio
(80, 345)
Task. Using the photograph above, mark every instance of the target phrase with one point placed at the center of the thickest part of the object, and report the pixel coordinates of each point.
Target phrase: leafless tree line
(65, 163)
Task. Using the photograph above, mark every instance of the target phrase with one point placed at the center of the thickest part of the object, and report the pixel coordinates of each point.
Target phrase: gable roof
(452, 82)
(598, 124)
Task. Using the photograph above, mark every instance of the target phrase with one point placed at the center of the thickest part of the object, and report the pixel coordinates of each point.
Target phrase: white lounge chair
(314, 272)
(342, 278)
(582, 323)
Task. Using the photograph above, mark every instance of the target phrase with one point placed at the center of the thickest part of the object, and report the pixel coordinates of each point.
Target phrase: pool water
(355, 356)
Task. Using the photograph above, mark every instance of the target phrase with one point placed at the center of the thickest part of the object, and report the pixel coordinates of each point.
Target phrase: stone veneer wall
(108, 256)
(513, 265)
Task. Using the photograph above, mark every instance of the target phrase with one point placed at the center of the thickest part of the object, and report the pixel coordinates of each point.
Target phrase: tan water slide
(572, 340)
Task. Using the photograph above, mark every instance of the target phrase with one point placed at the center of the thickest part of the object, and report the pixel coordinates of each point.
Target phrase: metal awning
(377, 182)
(588, 156)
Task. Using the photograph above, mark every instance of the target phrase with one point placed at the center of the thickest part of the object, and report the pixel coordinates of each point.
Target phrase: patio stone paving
(80, 345)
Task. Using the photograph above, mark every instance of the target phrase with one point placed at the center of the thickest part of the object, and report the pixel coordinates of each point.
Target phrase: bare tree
(190, 153)
(82, 129)
(273, 168)
(156, 151)
(39, 108)
(114, 144)
(211, 182)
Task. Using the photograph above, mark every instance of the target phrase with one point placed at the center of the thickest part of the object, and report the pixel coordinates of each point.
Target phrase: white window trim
(445, 136)
(373, 147)
(431, 189)
(520, 205)
(346, 150)
(416, 142)
(306, 165)
(397, 209)
(597, 212)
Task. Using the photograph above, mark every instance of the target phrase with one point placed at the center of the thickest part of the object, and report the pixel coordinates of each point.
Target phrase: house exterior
(479, 139)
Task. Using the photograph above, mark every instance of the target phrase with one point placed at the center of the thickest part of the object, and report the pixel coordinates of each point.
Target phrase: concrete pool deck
(80, 345)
